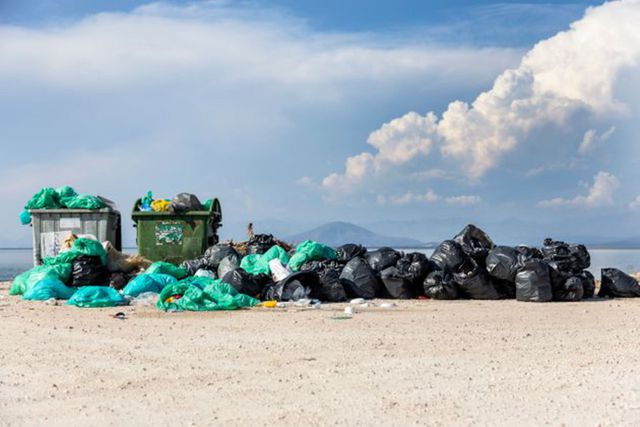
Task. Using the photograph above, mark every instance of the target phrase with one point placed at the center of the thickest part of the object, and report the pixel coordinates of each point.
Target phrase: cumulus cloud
(573, 71)
(599, 194)
(428, 197)
(591, 139)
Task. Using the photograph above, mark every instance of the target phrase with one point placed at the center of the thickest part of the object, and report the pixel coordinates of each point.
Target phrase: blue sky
(279, 109)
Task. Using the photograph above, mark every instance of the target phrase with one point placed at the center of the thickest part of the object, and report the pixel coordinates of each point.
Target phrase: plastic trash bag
(382, 258)
(185, 202)
(310, 251)
(474, 282)
(296, 286)
(167, 268)
(145, 299)
(96, 296)
(84, 201)
(160, 205)
(397, 283)
(228, 264)
(588, 284)
(145, 202)
(203, 294)
(533, 282)
(205, 273)
(359, 279)
(346, 253)
(259, 263)
(148, 282)
(616, 283)
(89, 271)
(243, 282)
(81, 246)
(216, 253)
(26, 280)
(417, 266)
(331, 286)
(502, 263)
(448, 255)
(260, 243)
(118, 280)
(474, 242)
(48, 288)
(46, 198)
(193, 265)
(439, 284)
(570, 290)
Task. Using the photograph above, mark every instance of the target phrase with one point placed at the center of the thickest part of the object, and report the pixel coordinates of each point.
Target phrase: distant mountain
(338, 233)
(630, 243)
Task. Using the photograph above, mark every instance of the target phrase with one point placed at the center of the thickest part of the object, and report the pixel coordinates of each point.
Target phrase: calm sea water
(15, 261)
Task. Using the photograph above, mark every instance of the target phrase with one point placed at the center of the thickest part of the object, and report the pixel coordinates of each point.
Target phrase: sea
(15, 261)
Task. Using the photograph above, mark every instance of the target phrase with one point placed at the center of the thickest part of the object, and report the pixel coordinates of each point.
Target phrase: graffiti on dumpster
(169, 233)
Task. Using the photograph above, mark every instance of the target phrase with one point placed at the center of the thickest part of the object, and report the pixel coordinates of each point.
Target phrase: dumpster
(52, 226)
(176, 237)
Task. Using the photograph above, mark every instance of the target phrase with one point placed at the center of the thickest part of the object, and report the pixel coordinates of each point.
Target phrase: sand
(421, 362)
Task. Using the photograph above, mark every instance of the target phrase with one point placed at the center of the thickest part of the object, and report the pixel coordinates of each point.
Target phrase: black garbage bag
(533, 282)
(193, 265)
(580, 257)
(331, 288)
(397, 283)
(440, 285)
(588, 284)
(243, 282)
(419, 267)
(185, 202)
(359, 279)
(346, 253)
(260, 243)
(502, 263)
(227, 264)
(382, 258)
(296, 286)
(448, 256)
(527, 252)
(474, 242)
(216, 253)
(474, 282)
(88, 271)
(616, 283)
(506, 288)
(119, 280)
(571, 290)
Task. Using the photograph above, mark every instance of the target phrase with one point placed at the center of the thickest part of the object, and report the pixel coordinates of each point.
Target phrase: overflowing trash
(60, 198)
(230, 275)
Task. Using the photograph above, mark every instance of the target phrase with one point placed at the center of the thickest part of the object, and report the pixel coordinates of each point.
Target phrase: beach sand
(421, 362)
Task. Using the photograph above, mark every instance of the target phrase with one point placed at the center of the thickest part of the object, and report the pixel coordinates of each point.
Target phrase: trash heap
(182, 202)
(230, 275)
(60, 198)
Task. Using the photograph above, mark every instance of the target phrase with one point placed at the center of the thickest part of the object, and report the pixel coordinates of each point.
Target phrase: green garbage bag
(206, 205)
(25, 281)
(190, 295)
(259, 264)
(96, 296)
(153, 282)
(48, 288)
(81, 246)
(167, 268)
(84, 201)
(65, 194)
(46, 198)
(310, 251)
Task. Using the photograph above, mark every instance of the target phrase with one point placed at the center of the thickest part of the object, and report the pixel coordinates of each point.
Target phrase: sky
(411, 118)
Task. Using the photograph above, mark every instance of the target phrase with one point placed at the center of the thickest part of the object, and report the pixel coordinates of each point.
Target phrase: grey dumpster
(52, 226)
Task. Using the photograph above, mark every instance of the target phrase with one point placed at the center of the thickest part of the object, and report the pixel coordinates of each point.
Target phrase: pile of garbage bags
(60, 198)
(230, 276)
(182, 202)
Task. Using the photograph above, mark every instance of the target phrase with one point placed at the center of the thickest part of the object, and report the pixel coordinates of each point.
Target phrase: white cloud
(463, 200)
(573, 71)
(635, 203)
(428, 197)
(591, 139)
(599, 194)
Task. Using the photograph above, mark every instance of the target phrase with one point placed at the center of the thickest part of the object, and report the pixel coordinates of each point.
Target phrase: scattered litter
(349, 311)
(387, 305)
(120, 315)
(145, 299)
(357, 301)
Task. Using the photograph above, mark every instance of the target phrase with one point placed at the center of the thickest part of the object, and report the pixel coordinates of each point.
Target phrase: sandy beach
(420, 362)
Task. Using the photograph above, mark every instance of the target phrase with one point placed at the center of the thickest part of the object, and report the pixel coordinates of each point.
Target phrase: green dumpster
(175, 237)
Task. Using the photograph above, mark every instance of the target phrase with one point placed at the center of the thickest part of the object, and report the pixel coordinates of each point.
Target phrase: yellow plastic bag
(160, 205)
